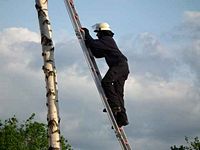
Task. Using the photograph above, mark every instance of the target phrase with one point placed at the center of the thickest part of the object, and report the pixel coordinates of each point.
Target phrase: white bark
(50, 75)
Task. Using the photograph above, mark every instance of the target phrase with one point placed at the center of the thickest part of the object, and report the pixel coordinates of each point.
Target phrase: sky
(161, 39)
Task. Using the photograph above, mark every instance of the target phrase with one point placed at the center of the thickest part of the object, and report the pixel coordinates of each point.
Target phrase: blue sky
(126, 16)
(161, 39)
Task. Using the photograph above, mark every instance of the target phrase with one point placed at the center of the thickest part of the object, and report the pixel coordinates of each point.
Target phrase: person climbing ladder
(114, 80)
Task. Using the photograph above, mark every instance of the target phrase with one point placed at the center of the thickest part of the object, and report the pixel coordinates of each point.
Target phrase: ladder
(119, 132)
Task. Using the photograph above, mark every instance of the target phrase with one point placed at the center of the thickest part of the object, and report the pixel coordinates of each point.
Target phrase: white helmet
(101, 26)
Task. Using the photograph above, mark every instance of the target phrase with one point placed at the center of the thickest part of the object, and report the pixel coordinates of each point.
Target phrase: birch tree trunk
(50, 75)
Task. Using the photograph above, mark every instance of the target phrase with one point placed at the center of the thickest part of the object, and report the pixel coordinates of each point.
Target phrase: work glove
(86, 31)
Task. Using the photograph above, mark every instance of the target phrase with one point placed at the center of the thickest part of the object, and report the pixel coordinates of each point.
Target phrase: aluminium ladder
(119, 132)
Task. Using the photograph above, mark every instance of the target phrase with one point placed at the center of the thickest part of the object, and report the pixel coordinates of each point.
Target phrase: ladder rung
(119, 132)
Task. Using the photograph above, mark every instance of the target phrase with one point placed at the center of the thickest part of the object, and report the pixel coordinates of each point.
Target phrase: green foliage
(29, 135)
(191, 145)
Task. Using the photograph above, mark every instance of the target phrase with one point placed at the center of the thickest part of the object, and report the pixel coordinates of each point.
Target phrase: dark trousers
(113, 85)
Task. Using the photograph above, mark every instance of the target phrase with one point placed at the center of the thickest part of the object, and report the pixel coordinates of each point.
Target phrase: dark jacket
(105, 47)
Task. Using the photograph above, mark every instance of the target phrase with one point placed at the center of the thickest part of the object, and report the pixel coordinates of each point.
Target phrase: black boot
(122, 119)
(124, 123)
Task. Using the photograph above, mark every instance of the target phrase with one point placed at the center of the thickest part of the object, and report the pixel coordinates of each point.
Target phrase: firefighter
(114, 80)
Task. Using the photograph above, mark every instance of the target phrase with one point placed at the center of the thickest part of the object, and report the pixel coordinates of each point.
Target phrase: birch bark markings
(50, 75)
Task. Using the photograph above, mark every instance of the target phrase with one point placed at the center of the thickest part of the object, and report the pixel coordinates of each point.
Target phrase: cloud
(18, 47)
(189, 28)
(163, 89)
(147, 55)
(161, 93)
(23, 88)
(20, 84)
(190, 48)
(161, 112)
(190, 55)
(191, 24)
(191, 52)
(69, 54)
(192, 18)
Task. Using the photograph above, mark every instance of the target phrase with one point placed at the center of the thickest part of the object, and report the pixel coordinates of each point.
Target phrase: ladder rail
(89, 57)
(120, 134)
